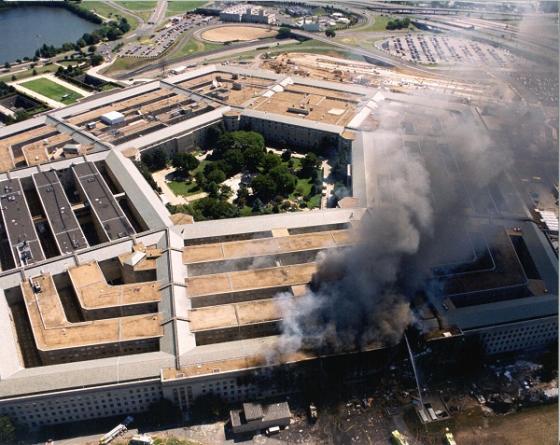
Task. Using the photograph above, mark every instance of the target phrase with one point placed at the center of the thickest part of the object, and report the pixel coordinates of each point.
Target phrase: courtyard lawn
(52, 90)
(181, 188)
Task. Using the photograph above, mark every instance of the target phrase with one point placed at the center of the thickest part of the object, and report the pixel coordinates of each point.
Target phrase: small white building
(112, 118)
(178, 69)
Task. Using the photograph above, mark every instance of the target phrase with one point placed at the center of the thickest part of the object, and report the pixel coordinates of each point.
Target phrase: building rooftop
(53, 331)
(493, 270)
(62, 220)
(102, 202)
(265, 246)
(141, 257)
(93, 292)
(234, 315)
(18, 223)
(250, 279)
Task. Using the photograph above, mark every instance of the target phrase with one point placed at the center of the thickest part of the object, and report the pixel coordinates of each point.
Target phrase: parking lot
(437, 49)
(163, 39)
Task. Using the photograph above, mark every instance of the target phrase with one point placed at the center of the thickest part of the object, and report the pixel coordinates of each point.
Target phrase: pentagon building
(107, 305)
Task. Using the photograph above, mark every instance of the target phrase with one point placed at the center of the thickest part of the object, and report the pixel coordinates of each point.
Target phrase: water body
(24, 29)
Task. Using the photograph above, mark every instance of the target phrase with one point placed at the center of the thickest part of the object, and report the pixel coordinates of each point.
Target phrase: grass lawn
(193, 46)
(303, 189)
(177, 6)
(127, 63)
(309, 46)
(138, 5)
(52, 90)
(28, 73)
(183, 189)
(106, 10)
(379, 24)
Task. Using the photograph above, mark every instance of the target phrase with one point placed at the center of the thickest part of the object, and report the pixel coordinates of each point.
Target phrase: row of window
(83, 407)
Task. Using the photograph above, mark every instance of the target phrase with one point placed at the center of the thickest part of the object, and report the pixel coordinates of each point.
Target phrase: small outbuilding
(112, 118)
(255, 417)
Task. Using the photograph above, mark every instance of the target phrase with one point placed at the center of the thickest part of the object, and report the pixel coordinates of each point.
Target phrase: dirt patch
(530, 426)
(224, 34)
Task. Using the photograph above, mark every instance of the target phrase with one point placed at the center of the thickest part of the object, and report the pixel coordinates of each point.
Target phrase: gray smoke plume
(360, 296)
(423, 187)
(355, 298)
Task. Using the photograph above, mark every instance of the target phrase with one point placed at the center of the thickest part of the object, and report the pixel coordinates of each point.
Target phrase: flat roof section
(265, 246)
(105, 208)
(18, 223)
(52, 331)
(250, 279)
(234, 315)
(141, 257)
(64, 225)
(94, 293)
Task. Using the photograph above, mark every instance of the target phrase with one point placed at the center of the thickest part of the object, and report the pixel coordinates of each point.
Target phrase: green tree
(270, 161)
(200, 180)
(213, 189)
(213, 208)
(234, 160)
(286, 155)
(284, 33)
(309, 163)
(7, 65)
(285, 182)
(184, 163)
(263, 187)
(254, 157)
(7, 430)
(242, 140)
(155, 159)
(96, 59)
(242, 195)
(216, 175)
(330, 33)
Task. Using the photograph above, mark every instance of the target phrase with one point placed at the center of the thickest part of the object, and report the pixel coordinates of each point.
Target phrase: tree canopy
(184, 163)
(155, 159)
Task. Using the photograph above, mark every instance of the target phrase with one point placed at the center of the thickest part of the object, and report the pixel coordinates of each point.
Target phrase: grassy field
(193, 46)
(126, 63)
(178, 6)
(378, 25)
(183, 189)
(28, 73)
(138, 5)
(106, 10)
(309, 46)
(142, 8)
(52, 90)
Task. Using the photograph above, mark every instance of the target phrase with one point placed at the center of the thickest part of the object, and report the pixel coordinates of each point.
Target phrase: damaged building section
(104, 295)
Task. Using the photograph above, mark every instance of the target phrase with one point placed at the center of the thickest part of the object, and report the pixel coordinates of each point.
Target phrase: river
(24, 29)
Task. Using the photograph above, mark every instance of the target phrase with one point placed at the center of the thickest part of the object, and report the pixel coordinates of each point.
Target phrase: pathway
(159, 177)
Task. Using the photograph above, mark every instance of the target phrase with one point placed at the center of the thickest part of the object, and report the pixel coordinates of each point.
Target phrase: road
(159, 13)
(155, 68)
